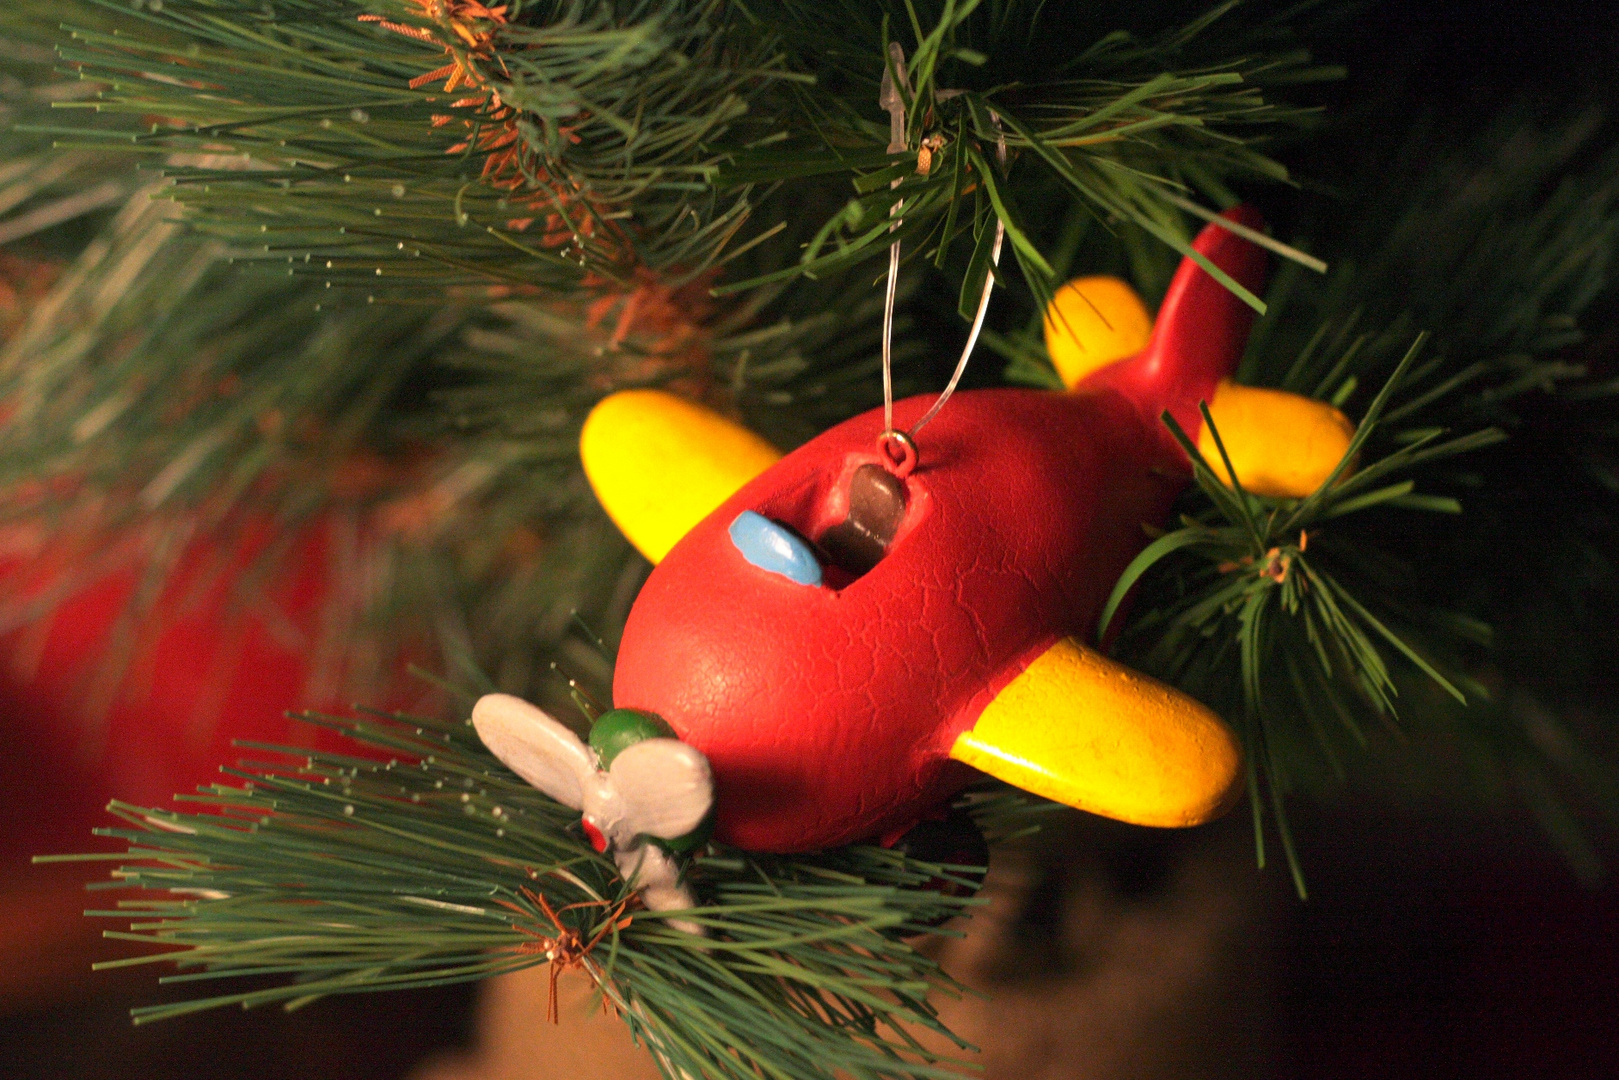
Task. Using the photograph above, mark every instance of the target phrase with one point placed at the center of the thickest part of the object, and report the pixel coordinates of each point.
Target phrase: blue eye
(770, 547)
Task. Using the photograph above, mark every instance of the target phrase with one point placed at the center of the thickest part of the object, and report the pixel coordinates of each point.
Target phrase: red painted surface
(828, 712)
(207, 667)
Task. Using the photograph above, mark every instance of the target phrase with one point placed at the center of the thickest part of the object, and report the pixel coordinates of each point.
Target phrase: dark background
(1434, 944)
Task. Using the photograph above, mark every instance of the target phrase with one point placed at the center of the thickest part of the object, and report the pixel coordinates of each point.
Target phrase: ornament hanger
(899, 447)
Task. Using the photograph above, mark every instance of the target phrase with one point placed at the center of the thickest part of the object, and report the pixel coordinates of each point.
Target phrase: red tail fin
(1199, 335)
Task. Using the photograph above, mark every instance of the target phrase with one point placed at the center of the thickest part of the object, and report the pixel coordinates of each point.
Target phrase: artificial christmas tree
(377, 262)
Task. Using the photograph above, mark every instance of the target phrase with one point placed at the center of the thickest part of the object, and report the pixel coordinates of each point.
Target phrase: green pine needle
(292, 129)
(1270, 576)
(650, 136)
(420, 861)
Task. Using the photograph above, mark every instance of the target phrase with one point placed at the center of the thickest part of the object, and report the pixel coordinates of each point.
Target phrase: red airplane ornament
(858, 628)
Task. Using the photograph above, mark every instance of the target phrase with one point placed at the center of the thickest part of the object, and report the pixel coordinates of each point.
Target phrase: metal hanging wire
(891, 99)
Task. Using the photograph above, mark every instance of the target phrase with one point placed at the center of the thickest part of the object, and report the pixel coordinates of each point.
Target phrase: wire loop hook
(898, 452)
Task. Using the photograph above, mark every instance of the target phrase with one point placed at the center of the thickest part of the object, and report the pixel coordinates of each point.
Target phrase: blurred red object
(106, 694)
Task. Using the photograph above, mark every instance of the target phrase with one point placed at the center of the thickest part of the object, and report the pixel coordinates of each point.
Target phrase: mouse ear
(665, 785)
(659, 464)
(535, 746)
(1081, 729)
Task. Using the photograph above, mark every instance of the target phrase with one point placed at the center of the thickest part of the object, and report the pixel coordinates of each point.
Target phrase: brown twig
(568, 948)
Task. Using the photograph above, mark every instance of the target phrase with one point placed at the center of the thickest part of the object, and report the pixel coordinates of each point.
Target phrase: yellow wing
(659, 464)
(1088, 732)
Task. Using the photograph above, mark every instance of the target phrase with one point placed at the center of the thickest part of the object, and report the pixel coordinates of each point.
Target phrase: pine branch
(570, 145)
(1290, 614)
(1125, 127)
(48, 197)
(1495, 244)
(556, 143)
(422, 861)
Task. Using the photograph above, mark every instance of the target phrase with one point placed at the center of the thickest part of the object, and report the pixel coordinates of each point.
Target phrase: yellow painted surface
(1282, 445)
(1086, 731)
(660, 464)
(1093, 322)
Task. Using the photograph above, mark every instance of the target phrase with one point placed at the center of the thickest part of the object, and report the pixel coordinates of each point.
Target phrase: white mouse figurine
(632, 782)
